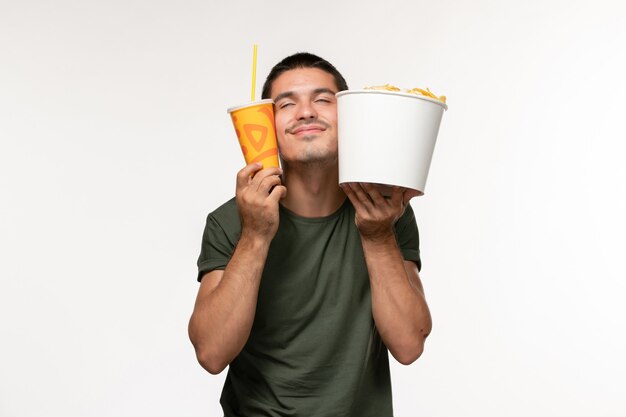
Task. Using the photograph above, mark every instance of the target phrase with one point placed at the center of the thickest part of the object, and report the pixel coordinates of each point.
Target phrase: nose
(306, 111)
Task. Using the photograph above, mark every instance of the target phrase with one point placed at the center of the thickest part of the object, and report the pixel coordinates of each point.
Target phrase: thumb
(409, 193)
(278, 193)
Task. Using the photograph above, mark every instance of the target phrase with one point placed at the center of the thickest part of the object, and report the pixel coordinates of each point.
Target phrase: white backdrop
(115, 144)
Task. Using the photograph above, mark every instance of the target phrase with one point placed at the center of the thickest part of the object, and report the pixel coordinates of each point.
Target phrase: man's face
(305, 110)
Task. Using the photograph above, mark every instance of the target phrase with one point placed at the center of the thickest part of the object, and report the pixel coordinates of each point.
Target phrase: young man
(305, 284)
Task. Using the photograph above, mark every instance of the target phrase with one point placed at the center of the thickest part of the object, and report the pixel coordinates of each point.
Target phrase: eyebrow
(316, 92)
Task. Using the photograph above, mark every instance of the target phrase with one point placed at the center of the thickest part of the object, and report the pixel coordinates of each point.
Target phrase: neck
(312, 191)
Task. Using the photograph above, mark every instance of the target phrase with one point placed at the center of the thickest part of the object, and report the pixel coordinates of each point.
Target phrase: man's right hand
(257, 201)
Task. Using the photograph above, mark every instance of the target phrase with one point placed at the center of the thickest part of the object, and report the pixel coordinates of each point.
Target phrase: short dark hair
(302, 60)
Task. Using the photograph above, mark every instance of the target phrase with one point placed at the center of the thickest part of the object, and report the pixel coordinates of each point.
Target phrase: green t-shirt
(313, 349)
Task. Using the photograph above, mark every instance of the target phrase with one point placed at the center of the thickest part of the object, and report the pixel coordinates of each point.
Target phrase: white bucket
(387, 137)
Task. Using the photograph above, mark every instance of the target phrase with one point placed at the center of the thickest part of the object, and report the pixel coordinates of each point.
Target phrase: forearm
(398, 304)
(223, 316)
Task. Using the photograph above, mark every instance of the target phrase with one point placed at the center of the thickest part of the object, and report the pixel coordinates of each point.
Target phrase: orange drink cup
(254, 125)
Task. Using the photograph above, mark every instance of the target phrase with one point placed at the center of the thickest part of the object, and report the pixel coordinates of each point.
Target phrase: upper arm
(219, 239)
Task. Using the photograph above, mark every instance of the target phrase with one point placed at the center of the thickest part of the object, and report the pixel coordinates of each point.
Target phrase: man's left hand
(376, 214)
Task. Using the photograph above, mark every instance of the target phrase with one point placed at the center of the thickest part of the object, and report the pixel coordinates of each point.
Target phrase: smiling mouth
(308, 127)
(308, 130)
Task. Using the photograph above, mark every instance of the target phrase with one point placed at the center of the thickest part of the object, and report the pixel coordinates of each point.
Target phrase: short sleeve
(408, 237)
(219, 239)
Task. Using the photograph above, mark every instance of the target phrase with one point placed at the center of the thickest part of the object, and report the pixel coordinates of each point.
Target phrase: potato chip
(417, 91)
(427, 93)
(386, 87)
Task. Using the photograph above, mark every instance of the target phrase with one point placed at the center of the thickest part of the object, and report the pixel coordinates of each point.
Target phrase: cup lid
(251, 104)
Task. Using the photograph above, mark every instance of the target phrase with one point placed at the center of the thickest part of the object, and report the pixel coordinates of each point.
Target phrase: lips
(308, 129)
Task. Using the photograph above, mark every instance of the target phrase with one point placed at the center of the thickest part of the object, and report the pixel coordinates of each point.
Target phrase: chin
(312, 158)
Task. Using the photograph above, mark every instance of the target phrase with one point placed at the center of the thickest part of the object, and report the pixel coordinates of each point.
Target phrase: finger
(279, 192)
(360, 193)
(244, 175)
(374, 193)
(264, 173)
(360, 199)
(385, 190)
(268, 182)
(261, 176)
(352, 196)
(396, 196)
(409, 193)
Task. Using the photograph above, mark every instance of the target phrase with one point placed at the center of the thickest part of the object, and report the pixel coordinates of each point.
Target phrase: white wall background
(115, 144)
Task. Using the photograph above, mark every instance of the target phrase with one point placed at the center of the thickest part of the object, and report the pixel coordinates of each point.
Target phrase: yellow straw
(254, 70)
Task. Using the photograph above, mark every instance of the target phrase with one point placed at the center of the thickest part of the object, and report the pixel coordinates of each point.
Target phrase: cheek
(280, 124)
(331, 117)
(280, 135)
